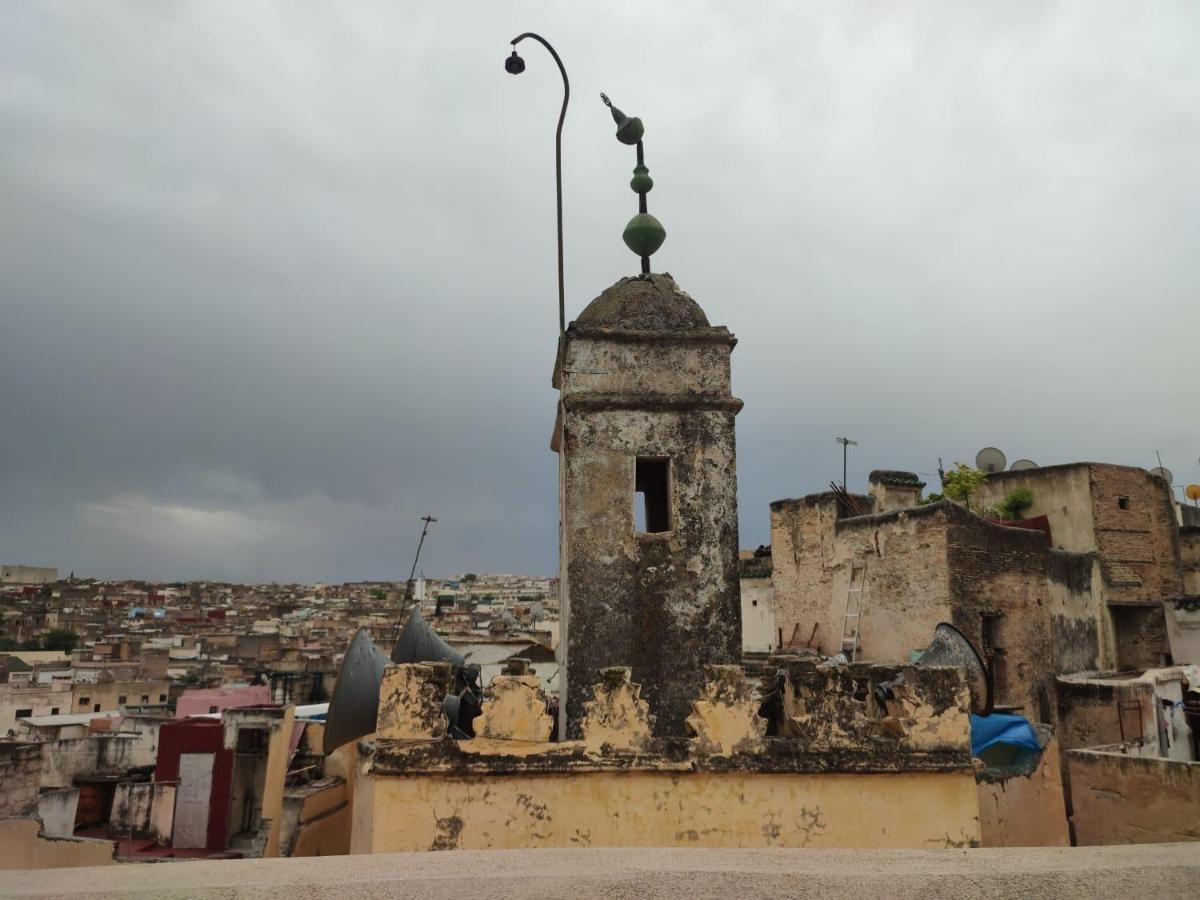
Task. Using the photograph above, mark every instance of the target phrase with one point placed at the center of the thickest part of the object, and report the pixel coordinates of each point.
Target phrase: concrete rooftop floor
(1146, 870)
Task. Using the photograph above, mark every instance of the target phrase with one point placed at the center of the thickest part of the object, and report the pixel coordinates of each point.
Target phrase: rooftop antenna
(989, 460)
(846, 445)
(1165, 474)
(408, 585)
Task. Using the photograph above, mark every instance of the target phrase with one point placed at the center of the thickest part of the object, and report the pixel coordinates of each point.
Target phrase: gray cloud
(277, 280)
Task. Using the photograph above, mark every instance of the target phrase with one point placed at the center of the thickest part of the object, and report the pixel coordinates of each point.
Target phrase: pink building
(203, 701)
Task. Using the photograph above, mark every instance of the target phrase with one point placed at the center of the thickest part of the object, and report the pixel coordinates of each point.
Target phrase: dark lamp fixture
(514, 65)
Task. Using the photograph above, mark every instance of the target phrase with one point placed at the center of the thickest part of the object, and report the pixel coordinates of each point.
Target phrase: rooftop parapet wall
(802, 718)
(729, 785)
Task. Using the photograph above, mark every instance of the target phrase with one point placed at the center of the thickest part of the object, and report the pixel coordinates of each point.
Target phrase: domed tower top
(644, 303)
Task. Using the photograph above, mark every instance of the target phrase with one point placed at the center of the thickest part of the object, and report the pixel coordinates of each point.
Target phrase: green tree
(961, 482)
(1015, 503)
(60, 639)
(7, 643)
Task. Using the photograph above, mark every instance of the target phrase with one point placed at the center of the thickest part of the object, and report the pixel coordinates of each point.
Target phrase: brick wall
(1135, 529)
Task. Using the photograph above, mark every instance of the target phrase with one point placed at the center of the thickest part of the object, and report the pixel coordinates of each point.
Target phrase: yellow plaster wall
(278, 753)
(664, 809)
(21, 847)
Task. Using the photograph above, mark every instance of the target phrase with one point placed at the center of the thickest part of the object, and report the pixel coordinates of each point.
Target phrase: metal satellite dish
(1192, 492)
(1022, 465)
(355, 703)
(1164, 473)
(989, 459)
(950, 647)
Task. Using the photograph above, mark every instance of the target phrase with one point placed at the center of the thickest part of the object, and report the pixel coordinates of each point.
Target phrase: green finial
(629, 131)
(644, 234)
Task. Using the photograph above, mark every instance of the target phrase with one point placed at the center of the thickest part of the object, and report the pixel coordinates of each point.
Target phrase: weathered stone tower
(647, 498)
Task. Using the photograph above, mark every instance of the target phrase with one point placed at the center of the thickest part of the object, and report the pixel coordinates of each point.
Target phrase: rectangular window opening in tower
(652, 500)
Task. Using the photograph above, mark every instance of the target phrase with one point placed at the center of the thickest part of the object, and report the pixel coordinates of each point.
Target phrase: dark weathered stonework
(643, 374)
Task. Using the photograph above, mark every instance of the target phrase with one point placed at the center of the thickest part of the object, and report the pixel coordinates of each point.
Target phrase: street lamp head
(514, 65)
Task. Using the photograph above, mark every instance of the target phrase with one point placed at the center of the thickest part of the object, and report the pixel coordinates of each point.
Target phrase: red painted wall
(200, 736)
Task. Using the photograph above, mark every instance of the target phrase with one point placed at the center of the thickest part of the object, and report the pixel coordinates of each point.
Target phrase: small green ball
(644, 234)
(641, 181)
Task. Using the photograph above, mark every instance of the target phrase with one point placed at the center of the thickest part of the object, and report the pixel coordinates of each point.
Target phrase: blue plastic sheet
(999, 728)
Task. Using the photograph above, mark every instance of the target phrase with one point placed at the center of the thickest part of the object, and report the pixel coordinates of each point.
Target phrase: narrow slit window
(652, 495)
(1123, 503)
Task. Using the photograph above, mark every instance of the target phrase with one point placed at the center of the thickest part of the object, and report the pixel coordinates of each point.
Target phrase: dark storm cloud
(279, 279)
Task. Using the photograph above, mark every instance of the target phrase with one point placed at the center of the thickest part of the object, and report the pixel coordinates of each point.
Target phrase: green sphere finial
(644, 234)
(629, 131)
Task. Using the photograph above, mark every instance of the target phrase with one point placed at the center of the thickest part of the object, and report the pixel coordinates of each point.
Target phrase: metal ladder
(854, 602)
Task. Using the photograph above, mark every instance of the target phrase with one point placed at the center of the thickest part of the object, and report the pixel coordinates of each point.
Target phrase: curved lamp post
(515, 65)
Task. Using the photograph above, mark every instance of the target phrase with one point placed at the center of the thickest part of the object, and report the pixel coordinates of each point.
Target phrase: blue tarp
(999, 728)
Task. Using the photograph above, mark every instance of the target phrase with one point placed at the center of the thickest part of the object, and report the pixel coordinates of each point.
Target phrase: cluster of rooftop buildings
(666, 690)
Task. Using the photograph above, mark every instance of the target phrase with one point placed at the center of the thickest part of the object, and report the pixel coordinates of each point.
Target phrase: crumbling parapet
(410, 702)
(516, 711)
(854, 706)
(725, 717)
(617, 718)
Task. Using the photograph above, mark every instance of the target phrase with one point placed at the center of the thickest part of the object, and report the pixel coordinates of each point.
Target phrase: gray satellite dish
(950, 647)
(1163, 473)
(989, 459)
(1022, 465)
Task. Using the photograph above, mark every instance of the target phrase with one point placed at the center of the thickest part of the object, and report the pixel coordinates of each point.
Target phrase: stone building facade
(1126, 518)
(648, 496)
(1021, 602)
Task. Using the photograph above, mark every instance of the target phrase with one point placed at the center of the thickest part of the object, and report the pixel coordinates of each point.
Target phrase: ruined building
(1079, 586)
(648, 497)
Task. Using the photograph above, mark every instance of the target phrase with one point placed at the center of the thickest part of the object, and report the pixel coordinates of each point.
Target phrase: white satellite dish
(989, 459)
(1022, 465)
(1163, 473)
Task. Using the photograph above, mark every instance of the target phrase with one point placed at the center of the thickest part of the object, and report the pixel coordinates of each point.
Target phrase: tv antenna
(846, 445)
(989, 460)
(408, 585)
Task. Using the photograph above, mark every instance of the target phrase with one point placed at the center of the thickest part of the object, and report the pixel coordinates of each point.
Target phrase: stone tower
(647, 498)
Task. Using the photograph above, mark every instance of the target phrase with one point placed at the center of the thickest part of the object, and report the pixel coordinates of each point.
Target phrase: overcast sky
(276, 278)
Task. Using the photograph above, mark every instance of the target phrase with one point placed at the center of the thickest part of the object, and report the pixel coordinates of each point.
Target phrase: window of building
(121, 700)
(1123, 502)
(24, 713)
(84, 701)
(652, 495)
(54, 710)
(162, 698)
(212, 709)
(96, 708)
(145, 698)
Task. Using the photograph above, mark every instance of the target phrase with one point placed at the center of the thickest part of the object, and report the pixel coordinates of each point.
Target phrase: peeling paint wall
(666, 809)
(840, 771)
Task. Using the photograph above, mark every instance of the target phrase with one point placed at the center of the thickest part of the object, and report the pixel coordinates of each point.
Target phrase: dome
(644, 303)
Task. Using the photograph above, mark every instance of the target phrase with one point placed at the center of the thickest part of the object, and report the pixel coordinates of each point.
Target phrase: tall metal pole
(515, 70)
(408, 588)
(846, 445)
